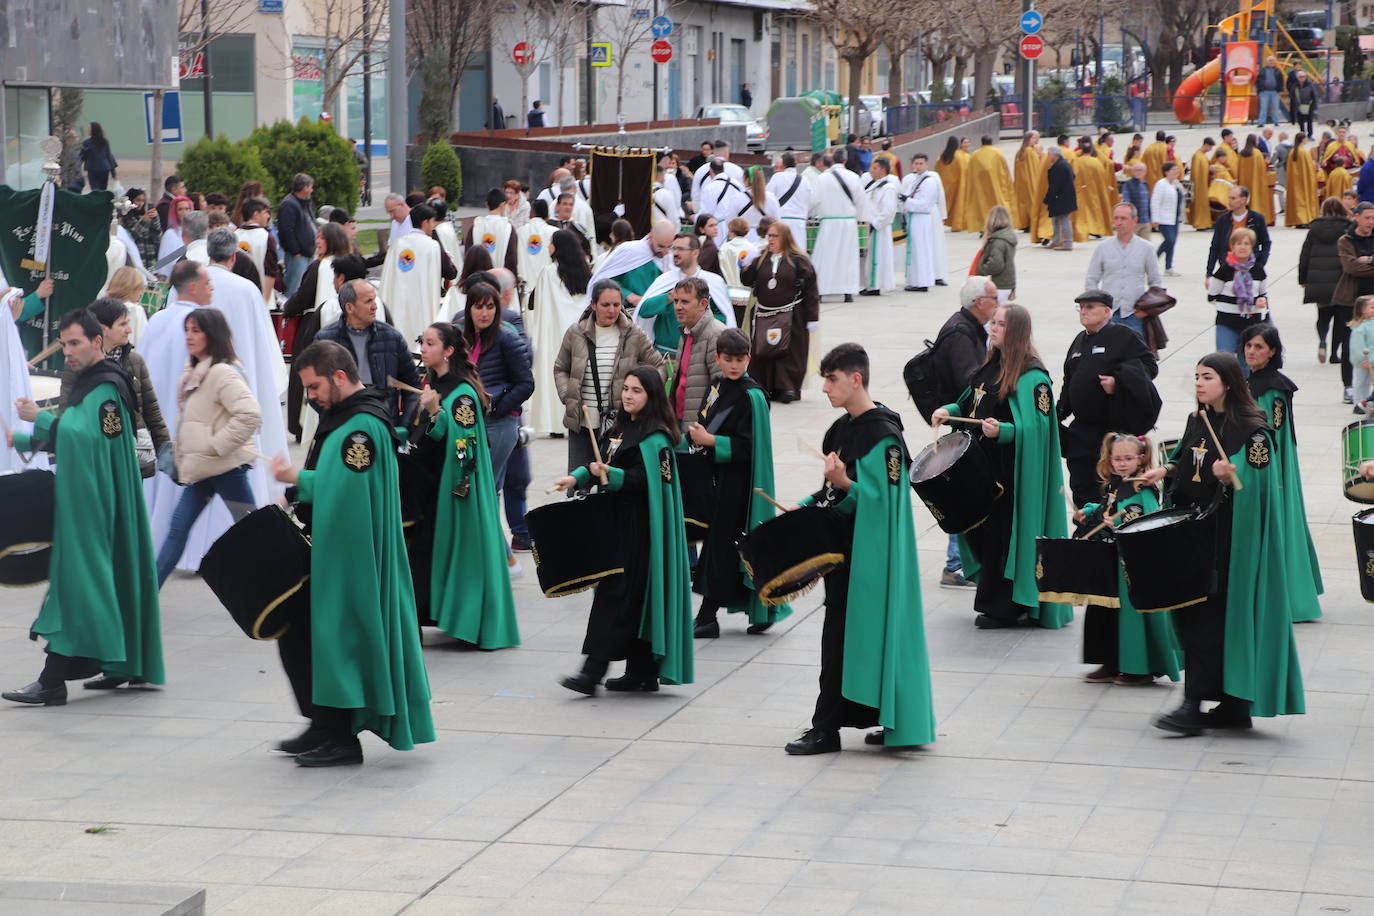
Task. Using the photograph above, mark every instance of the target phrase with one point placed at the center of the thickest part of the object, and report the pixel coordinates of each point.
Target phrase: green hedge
(218, 165)
(312, 147)
(442, 167)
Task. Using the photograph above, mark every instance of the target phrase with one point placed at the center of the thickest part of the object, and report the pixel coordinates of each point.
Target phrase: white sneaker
(1172, 273)
(516, 570)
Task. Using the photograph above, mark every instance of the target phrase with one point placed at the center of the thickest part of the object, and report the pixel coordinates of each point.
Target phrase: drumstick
(969, 421)
(47, 351)
(1216, 440)
(809, 449)
(1105, 522)
(397, 383)
(596, 449)
(775, 503)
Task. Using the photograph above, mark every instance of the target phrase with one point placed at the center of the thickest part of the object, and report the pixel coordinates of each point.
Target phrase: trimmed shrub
(442, 167)
(312, 147)
(218, 165)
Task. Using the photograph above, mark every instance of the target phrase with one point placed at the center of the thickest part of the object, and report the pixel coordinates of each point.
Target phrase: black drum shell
(260, 571)
(788, 555)
(576, 543)
(27, 503)
(960, 497)
(1363, 523)
(1077, 571)
(1168, 566)
(696, 472)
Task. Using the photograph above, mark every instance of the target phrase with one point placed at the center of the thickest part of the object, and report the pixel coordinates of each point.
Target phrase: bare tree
(543, 25)
(444, 36)
(855, 28)
(346, 40)
(901, 34)
(629, 29)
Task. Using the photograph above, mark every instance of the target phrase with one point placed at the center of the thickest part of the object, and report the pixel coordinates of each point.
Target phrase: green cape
(102, 600)
(365, 643)
(760, 509)
(641, 278)
(1038, 486)
(470, 592)
(1302, 554)
(1261, 661)
(885, 660)
(667, 331)
(1146, 643)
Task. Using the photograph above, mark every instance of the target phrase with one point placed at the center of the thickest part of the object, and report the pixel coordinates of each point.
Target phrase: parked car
(875, 105)
(755, 132)
(1308, 39)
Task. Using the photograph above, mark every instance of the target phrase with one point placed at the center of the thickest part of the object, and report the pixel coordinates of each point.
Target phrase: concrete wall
(932, 140)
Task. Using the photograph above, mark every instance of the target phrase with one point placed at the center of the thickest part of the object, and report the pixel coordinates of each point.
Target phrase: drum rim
(25, 547)
(581, 583)
(920, 456)
(768, 592)
(1367, 421)
(272, 606)
(1174, 513)
(1074, 598)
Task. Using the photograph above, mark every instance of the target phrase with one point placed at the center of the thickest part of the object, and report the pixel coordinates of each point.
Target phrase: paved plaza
(1043, 794)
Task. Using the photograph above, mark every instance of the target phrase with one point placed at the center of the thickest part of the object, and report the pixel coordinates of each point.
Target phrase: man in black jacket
(1238, 214)
(378, 348)
(1108, 387)
(1061, 200)
(296, 229)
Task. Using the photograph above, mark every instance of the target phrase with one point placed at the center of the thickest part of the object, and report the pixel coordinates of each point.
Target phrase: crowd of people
(658, 358)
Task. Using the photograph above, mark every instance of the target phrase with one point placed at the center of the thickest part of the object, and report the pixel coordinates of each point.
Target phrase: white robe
(533, 252)
(138, 321)
(941, 256)
(399, 227)
(725, 199)
(624, 258)
(171, 241)
(798, 206)
(836, 257)
(552, 309)
(923, 222)
(668, 203)
(447, 237)
(492, 232)
(410, 283)
(196, 251)
(14, 382)
(735, 255)
(582, 215)
(882, 207)
(663, 286)
(703, 175)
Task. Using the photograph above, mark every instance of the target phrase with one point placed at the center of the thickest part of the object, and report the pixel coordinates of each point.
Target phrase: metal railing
(903, 119)
(1063, 115)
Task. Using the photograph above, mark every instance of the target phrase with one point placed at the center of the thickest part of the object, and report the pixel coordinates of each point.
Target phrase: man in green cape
(636, 265)
(101, 610)
(735, 432)
(355, 665)
(874, 667)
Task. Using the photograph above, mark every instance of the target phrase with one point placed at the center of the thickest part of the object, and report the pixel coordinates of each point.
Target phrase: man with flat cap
(1108, 387)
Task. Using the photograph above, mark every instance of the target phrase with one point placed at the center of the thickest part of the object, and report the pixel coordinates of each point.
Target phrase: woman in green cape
(470, 594)
(1238, 644)
(643, 615)
(1273, 392)
(1011, 394)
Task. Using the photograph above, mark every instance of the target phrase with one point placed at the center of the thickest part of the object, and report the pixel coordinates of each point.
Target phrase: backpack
(922, 378)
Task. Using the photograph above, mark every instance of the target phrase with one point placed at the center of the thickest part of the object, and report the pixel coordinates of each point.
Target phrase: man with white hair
(636, 265)
(793, 192)
(194, 227)
(550, 194)
(400, 216)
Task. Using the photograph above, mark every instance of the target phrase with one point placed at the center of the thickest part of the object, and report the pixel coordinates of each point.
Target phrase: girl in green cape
(470, 593)
(1011, 394)
(1130, 648)
(645, 614)
(1273, 392)
(1238, 644)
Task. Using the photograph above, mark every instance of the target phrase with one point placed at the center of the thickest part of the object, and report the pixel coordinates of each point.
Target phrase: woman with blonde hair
(997, 260)
(128, 286)
(787, 311)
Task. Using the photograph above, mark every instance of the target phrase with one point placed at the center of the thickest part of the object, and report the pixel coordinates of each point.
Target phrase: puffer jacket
(703, 371)
(506, 373)
(570, 366)
(219, 416)
(999, 259)
(1319, 265)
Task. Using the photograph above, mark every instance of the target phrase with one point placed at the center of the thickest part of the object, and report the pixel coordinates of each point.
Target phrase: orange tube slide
(1188, 97)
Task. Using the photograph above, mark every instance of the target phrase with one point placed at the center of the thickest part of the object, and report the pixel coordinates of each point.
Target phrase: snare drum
(1363, 523)
(26, 524)
(47, 390)
(1075, 571)
(260, 571)
(1357, 446)
(953, 479)
(787, 555)
(1167, 558)
(576, 543)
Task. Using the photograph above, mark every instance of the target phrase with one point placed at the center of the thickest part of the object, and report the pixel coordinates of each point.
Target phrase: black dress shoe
(628, 684)
(581, 682)
(785, 396)
(307, 740)
(984, 622)
(868, 292)
(1229, 713)
(941, 283)
(37, 695)
(334, 753)
(1185, 721)
(757, 628)
(917, 289)
(876, 737)
(848, 297)
(814, 741)
(111, 681)
(702, 629)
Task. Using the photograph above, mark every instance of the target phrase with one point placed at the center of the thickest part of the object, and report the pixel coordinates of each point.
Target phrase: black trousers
(1202, 634)
(1100, 634)
(294, 648)
(58, 669)
(991, 541)
(833, 710)
(639, 662)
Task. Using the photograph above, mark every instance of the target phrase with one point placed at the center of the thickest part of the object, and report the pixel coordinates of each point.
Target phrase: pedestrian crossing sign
(600, 53)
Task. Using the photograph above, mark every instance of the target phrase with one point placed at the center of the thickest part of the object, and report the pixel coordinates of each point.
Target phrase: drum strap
(796, 183)
(843, 187)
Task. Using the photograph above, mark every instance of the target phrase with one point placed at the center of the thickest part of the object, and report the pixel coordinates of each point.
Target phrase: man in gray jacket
(696, 350)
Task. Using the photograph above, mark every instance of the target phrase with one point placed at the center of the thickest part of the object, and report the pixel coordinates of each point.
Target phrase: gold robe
(1230, 157)
(1029, 174)
(1199, 214)
(1336, 145)
(1337, 181)
(1154, 156)
(1219, 188)
(1094, 199)
(1041, 227)
(986, 183)
(952, 174)
(1255, 175)
(1302, 205)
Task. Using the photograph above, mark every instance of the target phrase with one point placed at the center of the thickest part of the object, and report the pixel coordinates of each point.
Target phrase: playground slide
(1188, 97)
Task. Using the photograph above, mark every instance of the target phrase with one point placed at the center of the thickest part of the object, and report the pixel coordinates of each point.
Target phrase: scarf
(1242, 284)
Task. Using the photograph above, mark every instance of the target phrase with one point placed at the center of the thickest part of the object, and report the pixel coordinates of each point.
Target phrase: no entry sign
(662, 51)
(522, 53)
(1032, 46)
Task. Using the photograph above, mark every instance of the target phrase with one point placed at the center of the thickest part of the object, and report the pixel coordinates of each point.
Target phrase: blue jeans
(294, 270)
(1166, 247)
(1131, 321)
(1269, 103)
(953, 562)
(517, 480)
(231, 486)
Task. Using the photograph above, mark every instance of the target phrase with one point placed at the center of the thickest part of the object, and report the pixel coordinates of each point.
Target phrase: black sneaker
(814, 741)
(955, 579)
(520, 542)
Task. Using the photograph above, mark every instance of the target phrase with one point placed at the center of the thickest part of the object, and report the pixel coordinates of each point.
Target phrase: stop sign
(1032, 46)
(662, 51)
(522, 53)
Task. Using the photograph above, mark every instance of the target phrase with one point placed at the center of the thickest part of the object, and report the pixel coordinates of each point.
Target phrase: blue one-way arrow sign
(1031, 21)
(662, 26)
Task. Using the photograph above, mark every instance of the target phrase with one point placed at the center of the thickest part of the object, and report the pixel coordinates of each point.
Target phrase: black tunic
(420, 466)
(728, 412)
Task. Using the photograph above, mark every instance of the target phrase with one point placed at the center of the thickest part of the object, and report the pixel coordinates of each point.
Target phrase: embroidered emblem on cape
(710, 399)
(894, 464)
(1199, 455)
(406, 260)
(934, 512)
(1280, 413)
(1130, 514)
(244, 246)
(111, 423)
(977, 399)
(464, 411)
(773, 336)
(535, 244)
(612, 447)
(489, 242)
(1257, 453)
(665, 465)
(358, 452)
(1042, 398)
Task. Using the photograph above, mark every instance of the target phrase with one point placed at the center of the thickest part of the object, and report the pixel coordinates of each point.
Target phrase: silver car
(755, 131)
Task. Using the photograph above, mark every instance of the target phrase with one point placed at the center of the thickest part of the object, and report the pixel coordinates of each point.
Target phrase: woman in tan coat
(214, 442)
